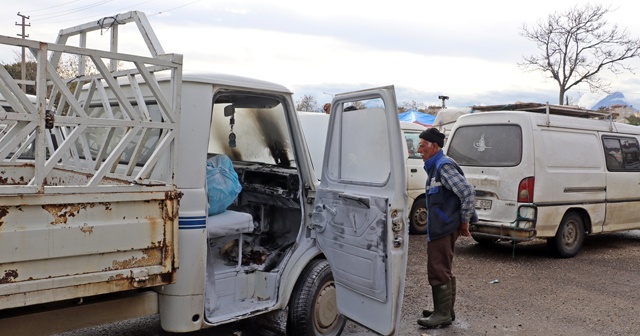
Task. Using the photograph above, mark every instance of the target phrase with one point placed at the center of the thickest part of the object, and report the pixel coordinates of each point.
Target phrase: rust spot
(151, 257)
(86, 228)
(61, 212)
(168, 277)
(9, 276)
(170, 205)
(116, 277)
(12, 180)
(107, 206)
(174, 194)
(3, 212)
(155, 225)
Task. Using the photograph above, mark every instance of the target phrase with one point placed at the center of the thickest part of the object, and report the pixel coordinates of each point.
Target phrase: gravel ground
(595, 293)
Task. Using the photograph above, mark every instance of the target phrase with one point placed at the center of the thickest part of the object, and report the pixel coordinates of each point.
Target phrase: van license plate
(483, 204)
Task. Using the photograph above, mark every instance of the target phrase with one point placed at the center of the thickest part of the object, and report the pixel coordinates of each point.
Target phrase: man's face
(427, 149)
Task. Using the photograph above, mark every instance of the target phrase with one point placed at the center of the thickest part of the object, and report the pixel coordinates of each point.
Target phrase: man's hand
(463, 230)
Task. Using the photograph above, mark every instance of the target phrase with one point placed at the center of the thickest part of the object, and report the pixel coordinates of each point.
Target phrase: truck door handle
(414, 170)
(364, 201)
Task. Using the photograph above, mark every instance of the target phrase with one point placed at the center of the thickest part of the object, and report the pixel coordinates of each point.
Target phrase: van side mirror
(229, 110)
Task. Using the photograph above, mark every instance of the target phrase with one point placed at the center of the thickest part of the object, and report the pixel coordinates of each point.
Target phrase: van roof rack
(565, 110)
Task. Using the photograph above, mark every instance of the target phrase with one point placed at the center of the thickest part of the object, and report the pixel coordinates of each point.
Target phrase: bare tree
(433, 109)
(575, 46)
(359, 105)
(409, 105)
(68, 67)
(306, 103)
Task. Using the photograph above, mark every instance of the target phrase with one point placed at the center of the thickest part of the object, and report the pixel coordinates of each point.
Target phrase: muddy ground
(526, 291)
(503, 290)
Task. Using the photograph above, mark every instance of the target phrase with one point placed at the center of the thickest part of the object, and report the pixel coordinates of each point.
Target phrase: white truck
(103, 199)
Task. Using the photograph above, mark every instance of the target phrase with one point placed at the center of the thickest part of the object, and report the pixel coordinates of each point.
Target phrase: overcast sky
(465, 49)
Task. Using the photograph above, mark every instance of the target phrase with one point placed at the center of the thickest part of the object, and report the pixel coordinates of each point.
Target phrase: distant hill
(615, 98)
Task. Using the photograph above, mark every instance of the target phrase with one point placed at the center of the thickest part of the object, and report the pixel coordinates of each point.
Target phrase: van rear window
(487, 145)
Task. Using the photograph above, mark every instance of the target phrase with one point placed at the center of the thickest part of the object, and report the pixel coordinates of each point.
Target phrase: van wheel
(418, 217)
(569, 238)
(312, 308)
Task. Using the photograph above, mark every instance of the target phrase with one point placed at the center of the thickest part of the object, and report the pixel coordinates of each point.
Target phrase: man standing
(450, 207)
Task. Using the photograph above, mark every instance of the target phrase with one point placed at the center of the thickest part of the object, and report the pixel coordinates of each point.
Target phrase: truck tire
(418, 216)
(569, 238)
(312, 308)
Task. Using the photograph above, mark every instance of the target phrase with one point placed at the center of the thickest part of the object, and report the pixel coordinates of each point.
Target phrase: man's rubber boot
(427, 312)
(442, 308)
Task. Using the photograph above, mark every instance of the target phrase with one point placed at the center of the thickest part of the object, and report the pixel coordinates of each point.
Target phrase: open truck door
(360, 213)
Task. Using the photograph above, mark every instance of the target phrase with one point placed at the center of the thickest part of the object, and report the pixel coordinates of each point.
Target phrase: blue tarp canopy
(417, 117)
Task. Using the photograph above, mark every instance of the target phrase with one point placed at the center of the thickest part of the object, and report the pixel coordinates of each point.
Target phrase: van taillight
(525, 190)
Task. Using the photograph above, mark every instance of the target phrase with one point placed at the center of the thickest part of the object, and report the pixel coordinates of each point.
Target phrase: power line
(174, 8)
(46, 8)
(134, 5)
(62, 13)
(71, 11)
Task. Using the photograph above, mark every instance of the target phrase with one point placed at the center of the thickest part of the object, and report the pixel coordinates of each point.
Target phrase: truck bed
(56, 247)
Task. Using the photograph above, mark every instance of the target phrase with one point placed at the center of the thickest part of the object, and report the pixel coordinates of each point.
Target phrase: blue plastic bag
(223, 185)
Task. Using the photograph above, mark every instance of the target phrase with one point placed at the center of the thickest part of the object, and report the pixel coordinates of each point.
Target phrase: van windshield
(486, 145)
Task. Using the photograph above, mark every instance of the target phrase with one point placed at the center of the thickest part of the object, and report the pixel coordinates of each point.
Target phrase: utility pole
(24, 56)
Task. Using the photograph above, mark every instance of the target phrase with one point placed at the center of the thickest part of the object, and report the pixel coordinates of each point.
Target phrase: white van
(315, 127)
(548, 176)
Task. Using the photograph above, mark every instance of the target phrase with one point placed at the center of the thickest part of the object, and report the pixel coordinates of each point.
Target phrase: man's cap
(433, 135)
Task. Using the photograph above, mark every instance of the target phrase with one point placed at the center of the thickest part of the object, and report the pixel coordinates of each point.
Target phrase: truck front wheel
(312, 308)
(418, 216)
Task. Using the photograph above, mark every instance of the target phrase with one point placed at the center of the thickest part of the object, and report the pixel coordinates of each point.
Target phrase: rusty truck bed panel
(105, 243)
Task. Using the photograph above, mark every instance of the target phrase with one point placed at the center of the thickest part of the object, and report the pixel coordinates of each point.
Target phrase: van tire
(418, 216)
(312, 307)
(570, 236)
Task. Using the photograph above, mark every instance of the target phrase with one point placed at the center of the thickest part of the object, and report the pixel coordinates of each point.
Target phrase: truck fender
(292, 272)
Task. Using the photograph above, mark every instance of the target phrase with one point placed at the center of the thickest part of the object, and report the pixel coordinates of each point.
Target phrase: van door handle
(414, 170)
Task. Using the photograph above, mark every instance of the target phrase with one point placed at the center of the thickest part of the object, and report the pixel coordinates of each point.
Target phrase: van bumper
(502, 231)
(521, 229)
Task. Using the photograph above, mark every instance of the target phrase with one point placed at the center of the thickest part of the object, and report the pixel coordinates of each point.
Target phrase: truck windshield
(251, 128)
(487, 145)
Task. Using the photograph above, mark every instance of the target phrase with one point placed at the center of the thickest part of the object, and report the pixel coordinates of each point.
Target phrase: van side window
(412, 138)
(621, 154)
(487, 145)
